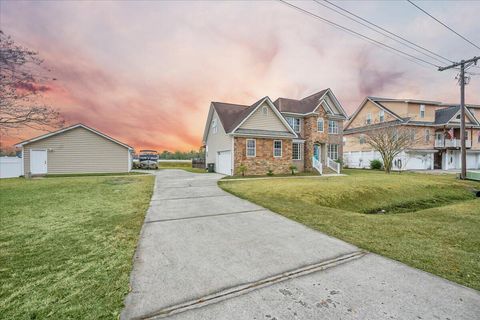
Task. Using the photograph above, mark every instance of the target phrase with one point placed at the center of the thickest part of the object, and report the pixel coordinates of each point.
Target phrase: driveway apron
(206, 254)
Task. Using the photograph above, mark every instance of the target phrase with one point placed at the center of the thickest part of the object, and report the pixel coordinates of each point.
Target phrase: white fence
(404, 161)
(11, 167)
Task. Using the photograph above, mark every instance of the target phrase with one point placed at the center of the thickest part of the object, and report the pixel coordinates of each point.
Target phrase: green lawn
(289, 175)
(432, 222)
(187, 166)
(132, 173)
(66, 245)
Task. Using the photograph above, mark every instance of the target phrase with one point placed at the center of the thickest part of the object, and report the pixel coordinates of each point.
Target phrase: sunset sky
(145, 72)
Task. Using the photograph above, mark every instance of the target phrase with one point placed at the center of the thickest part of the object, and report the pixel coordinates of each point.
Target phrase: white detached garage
(75, 149)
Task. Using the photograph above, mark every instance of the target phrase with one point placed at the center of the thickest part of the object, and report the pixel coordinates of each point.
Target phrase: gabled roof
(303, 106)
(228, 113)
(376, 102)
(310, 104)
(246, 113)
(449, 113)
(233, 115)
(442, 116)
(78, 125)
(404, 100)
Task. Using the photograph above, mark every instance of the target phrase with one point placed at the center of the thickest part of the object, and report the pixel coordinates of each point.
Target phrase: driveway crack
(248, 287)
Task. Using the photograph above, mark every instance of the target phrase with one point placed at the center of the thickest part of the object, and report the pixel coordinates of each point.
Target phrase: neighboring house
(75, 149)
(437, 131)
(273, 136)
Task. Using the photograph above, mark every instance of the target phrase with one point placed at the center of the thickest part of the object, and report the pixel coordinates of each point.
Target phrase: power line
(356, 33)
(385, 30)
(443, 24)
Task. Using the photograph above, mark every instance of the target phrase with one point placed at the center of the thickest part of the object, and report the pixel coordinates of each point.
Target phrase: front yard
(430, 222)
(66, 244)
(187, 166)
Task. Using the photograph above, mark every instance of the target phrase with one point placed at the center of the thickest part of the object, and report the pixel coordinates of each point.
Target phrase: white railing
(335, 166)
(317, 165)
(452, 143)
(10, 167)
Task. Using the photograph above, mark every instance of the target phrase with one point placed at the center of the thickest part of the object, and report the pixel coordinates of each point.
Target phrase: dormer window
(265, 110)
(214, 126)
(422, 111)
(381, 115)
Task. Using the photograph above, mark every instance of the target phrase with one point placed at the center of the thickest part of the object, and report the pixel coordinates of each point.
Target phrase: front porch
(321, 158)
(450, 139)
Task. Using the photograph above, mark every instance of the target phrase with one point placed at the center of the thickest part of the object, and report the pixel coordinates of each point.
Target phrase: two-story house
(268, 135)
(435, 126)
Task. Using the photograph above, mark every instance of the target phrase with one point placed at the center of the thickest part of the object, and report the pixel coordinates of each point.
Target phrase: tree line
(181, 155)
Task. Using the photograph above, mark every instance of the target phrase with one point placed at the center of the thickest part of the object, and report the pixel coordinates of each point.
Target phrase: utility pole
(463, 148)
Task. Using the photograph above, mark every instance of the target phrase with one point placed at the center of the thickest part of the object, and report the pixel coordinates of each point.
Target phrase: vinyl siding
(361, 117)
(219, 141)
(259, 121)
(80, 151)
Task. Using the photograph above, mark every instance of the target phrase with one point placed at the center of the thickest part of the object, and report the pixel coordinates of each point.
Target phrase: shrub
(293, 168)
(376, 164)
(242, 169)
(270, 172)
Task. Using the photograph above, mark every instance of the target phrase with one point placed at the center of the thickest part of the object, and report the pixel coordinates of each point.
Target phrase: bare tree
(22, 82)
(390, 140)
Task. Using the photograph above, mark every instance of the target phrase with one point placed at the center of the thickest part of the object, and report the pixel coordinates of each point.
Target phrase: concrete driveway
(205, 254)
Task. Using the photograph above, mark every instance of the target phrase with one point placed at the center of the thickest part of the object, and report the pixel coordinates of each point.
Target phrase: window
(294, 123)
(362, 139)
(251, 148)
(214, 126)
(333, 151)
(265, 111)
(332, 126)
(422, 111)
(320, 124)
(277, 148)
(427, 135)
(369, 118)
(381, 115)
(297, 151)
(478, 139)
(413, 135)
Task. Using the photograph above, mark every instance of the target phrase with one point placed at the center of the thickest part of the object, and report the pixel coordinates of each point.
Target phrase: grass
(187, 166)
(175, 164)
(431, 221)
(299, 174)
(66, 245)
(94, 174)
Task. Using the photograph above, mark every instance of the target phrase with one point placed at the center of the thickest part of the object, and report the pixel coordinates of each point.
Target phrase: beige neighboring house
(274, 136)
(436, 126)
(75, 149)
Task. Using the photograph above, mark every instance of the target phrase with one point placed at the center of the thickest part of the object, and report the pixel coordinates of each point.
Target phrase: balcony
(452, 143)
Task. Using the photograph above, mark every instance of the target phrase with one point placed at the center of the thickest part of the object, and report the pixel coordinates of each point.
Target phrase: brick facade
(264, 159)
(312, 136)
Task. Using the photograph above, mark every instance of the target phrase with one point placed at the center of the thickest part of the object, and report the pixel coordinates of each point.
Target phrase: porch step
(327, 170)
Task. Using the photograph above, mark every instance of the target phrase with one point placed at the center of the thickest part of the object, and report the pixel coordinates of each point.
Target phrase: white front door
(224, 162)
(38, 161)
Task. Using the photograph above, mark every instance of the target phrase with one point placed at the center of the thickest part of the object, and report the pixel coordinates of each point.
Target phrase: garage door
(472, 161)
(224, 162)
